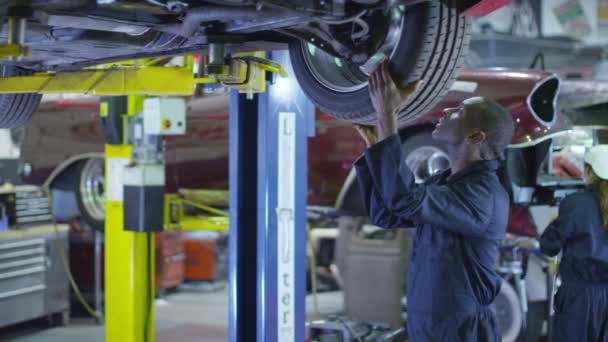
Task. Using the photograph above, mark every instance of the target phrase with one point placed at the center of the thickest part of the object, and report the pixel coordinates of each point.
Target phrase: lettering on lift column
(286, 226)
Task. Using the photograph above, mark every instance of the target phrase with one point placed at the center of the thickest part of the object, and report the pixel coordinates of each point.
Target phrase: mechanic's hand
(368, 134)
(387, 99)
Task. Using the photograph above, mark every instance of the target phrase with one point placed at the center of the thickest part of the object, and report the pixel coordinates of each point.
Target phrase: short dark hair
(497, 123)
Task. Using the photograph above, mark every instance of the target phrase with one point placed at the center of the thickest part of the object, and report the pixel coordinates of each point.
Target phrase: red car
(66, 135)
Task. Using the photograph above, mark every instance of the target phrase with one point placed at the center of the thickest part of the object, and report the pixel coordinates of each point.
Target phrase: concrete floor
(188, 315)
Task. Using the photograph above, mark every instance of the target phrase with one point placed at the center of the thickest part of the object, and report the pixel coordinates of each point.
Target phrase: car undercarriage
(333, 44)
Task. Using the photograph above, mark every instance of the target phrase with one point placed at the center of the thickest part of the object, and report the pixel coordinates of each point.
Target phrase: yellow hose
(66, 265)
(205, 208)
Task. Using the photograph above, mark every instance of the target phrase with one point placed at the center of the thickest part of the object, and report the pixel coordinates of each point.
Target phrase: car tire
(90, 192)
(16, 109)
(432, 45)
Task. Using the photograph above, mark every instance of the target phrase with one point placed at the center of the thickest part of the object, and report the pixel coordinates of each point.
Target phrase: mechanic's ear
(477, 138)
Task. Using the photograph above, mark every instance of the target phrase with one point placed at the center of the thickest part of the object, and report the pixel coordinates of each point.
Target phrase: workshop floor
(183, 316)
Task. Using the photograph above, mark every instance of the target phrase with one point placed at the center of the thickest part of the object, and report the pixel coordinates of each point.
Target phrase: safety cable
(65, 263)
(149, 291)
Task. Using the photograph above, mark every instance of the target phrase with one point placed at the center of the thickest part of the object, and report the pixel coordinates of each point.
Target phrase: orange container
(201, 259)
(169, 259)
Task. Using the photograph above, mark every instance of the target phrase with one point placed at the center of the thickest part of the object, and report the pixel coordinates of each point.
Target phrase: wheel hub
(92, 188)
(342, 75)
(426, 161)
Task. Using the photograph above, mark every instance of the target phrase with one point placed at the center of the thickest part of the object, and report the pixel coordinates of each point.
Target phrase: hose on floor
(64, 260)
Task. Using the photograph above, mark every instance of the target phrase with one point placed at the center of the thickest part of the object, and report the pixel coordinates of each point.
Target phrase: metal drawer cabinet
(32, 281)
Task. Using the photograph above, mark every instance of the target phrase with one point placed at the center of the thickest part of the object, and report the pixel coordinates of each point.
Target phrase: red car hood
(576, 94)
(530, 96)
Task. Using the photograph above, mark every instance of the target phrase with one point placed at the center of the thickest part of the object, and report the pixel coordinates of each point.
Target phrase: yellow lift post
(129, 256)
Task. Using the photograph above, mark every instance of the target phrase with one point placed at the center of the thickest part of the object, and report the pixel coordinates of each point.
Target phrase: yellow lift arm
(245, 72)
(176, 217)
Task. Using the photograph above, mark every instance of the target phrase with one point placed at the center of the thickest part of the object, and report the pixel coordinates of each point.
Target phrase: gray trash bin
(372, 263)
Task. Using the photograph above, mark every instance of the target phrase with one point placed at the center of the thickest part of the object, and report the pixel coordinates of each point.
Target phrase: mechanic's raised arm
(376, 211)
(465, 208)
(555, 235)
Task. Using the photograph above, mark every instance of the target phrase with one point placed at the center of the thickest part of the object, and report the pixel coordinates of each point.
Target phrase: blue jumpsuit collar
(478, 166)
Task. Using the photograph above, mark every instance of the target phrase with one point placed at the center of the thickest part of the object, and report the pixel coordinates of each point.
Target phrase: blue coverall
(459, 220)
(581, 303)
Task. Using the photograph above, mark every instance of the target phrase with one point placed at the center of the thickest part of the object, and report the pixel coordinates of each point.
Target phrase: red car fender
(530, 96)
(481, 8)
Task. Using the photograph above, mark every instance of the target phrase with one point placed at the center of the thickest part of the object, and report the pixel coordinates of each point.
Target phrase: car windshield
(565, 160)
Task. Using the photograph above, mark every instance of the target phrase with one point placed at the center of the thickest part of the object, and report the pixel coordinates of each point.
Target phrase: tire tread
(440, 55)
(17, 109)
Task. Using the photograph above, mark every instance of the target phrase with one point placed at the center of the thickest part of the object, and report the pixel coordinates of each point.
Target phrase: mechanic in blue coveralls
(460, 215)
(581, 234)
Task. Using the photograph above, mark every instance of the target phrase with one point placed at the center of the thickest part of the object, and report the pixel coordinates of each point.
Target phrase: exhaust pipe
(195, 17)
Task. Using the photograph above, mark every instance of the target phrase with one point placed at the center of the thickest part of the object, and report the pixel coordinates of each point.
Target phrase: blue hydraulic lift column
(268, 190)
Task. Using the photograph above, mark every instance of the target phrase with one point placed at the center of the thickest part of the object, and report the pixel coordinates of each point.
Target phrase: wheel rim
(92, 188)
(427, 161)
(341, 75)
(504, 312)
(18, 136)
(507, 312)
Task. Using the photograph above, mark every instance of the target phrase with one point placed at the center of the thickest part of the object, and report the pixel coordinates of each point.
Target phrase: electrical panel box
(164, 116)
(143, 197)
